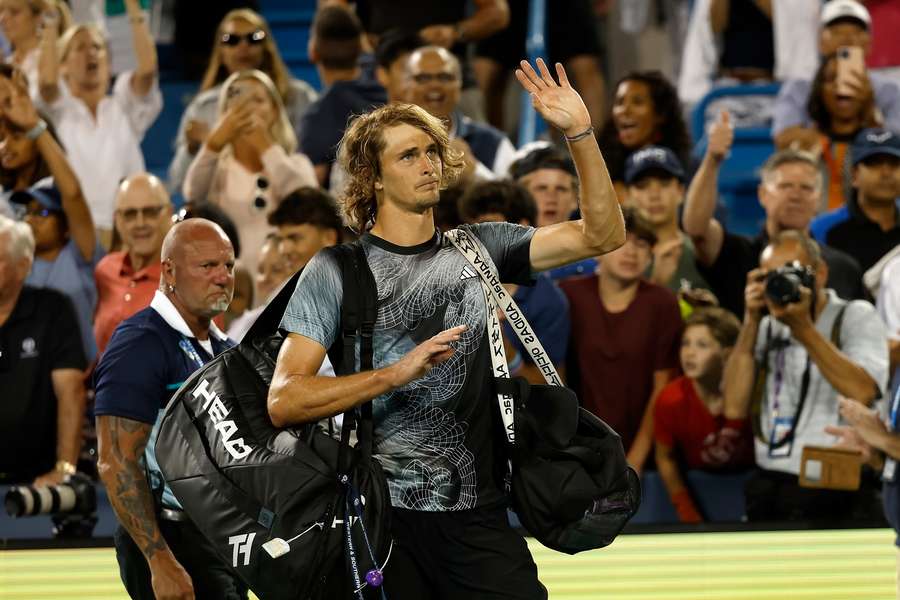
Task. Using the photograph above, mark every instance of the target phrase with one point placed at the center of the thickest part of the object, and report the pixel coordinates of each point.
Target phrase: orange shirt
(834, 155)
(121, 292)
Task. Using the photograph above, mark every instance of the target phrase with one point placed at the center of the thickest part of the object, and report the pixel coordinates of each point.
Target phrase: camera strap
(762, 374)
(496, 297)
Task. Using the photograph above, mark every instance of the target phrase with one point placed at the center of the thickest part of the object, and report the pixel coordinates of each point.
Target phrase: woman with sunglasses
(243, 41)
(45, 185)
(101, 130)
(249, 160)
(23, 23)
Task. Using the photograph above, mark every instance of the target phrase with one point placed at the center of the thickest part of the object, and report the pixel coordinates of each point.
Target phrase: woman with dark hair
(66, 249)
(21, 165)
(646, 111)
(838, 118)
(243, 42)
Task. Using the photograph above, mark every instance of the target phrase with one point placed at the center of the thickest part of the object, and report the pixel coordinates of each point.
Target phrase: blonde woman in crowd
(23, 23)
(243, 41)
(249, 160)
(101, 130)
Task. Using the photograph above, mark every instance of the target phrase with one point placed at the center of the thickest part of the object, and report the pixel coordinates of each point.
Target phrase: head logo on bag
(241, 544)
(217, 412)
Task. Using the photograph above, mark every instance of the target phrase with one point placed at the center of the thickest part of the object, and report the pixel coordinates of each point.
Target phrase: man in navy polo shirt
(867, 227)
(161, 554)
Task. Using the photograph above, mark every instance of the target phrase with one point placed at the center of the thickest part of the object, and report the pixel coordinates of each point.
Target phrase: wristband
(581, 135)
(36, 131)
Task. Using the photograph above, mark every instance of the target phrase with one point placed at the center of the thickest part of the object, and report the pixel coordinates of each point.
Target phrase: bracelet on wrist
(65, 467)
(581, 135)
(36, 131)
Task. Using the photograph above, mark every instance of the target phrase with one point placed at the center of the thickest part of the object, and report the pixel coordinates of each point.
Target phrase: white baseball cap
(845, 9)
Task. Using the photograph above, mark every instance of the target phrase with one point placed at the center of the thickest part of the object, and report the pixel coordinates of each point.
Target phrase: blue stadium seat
(721, 497)
(739, 177)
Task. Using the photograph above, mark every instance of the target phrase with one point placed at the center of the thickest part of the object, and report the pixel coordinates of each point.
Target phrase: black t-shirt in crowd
(40, 336)
(739, 255)
(436, 436)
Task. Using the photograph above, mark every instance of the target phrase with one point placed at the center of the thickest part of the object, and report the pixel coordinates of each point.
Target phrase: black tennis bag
(295, 512)
(571, 486)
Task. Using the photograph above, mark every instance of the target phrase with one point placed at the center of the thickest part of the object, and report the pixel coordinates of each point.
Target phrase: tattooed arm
(121, 444)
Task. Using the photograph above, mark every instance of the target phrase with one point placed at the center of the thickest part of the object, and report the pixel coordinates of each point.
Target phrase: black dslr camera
(783, 284)
(72, 504)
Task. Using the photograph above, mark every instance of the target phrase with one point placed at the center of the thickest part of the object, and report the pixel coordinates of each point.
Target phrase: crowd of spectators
(672, 338)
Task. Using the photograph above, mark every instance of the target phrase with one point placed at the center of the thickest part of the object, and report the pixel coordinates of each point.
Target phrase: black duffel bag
(571, 486)
(279, 504)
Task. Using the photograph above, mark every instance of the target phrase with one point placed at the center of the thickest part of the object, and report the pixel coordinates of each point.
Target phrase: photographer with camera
(811, 347)
(41, 370)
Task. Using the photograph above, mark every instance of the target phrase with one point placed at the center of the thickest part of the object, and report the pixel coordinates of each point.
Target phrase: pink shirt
(121, 292)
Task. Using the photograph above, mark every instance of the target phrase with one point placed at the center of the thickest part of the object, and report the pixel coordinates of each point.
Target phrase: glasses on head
(426, 78)
(259, 202)
(148, 212)
(233, 39)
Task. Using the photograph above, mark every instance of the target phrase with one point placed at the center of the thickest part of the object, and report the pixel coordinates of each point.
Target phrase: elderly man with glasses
(127, 279)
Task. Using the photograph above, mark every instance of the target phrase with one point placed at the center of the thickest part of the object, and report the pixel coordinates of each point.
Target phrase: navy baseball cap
(656, 158)
(871, 142)
(47, 196)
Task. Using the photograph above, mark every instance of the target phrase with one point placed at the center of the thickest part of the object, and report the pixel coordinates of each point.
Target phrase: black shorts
(571, 31)
(470, 554)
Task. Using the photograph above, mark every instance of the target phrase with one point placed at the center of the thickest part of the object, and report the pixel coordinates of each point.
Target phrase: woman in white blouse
(249, 161)
(101, 131)
(22, 22)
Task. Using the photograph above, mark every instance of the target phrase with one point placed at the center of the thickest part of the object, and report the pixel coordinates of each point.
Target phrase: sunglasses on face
(148, 212)
(233, 39)
(425, 78)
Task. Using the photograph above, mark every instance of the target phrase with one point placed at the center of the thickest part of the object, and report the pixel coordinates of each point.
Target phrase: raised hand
(558, 103)
(237, 119)
(721, 136)
(17, 107)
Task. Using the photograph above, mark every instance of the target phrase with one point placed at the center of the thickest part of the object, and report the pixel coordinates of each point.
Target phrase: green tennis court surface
(791, 565)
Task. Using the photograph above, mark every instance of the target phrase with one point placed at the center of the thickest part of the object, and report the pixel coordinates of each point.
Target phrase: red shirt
(682, 421)
(616, 354)
(121, 292)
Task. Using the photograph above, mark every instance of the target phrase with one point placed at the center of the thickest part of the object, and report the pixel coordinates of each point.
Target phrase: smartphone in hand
(850, 64)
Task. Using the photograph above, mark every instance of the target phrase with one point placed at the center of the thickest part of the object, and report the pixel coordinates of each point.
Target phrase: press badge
(889, 473)
(781, 429)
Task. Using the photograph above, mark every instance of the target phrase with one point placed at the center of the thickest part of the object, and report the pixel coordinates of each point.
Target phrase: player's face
(411, 169)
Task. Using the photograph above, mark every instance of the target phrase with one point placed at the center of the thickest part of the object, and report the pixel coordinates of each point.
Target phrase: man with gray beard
(161, 553)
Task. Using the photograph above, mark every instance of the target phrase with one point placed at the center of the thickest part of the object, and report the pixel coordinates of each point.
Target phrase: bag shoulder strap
(500, 298)
(836, 326)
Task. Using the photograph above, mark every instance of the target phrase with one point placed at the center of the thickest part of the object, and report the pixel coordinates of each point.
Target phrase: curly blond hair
(359, 154)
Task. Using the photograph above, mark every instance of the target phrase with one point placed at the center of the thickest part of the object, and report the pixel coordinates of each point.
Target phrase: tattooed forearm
(121, 443)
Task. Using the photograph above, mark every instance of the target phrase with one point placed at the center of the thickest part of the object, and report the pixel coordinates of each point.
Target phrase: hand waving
(559, 104)
(17, 106)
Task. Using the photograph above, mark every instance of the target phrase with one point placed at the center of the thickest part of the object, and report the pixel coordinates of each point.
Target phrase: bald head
(188, 233)
(435, 82)
(198, 268)
(143, 216)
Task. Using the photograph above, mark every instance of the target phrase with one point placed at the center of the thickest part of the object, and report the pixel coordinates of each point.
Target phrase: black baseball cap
(874, 141)
(652, 158)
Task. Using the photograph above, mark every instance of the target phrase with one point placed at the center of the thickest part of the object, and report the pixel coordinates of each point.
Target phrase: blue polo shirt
(148, 358)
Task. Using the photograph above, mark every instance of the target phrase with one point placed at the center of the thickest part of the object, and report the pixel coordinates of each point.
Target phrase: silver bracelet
(36, 131)
(581, 135)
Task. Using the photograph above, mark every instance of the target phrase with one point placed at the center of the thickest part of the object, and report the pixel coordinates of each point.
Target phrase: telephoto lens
(75, 495)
